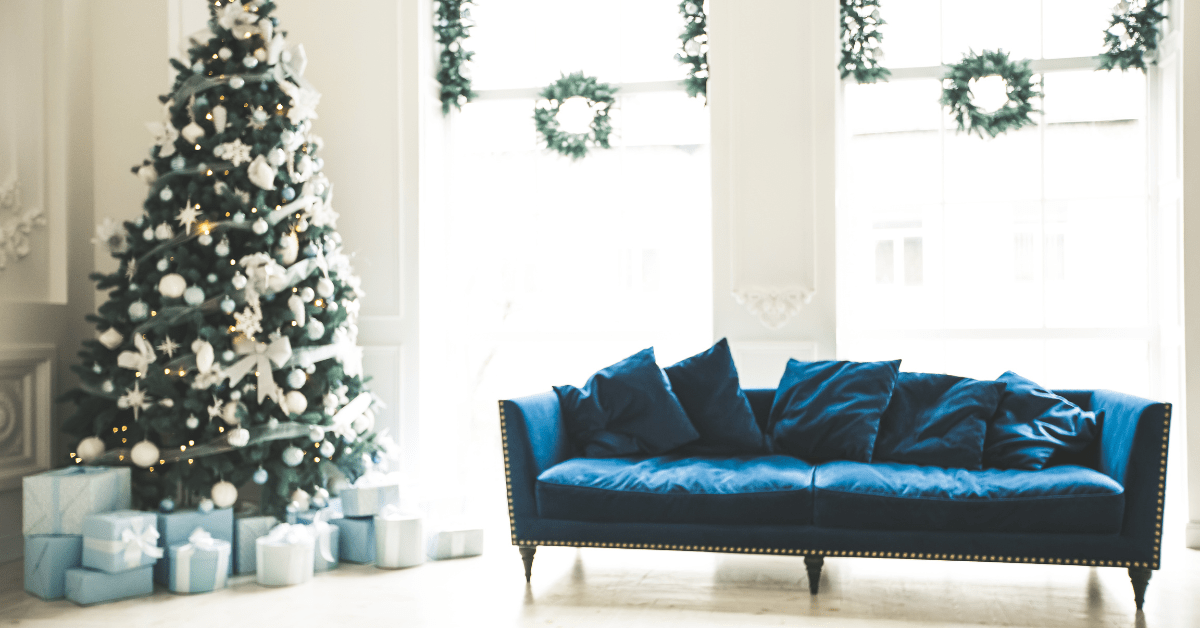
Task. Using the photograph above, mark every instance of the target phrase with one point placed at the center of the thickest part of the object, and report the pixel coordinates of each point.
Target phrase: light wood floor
(598, 587)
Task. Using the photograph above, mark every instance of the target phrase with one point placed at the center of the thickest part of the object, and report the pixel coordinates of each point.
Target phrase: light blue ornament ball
(204, 239)
(166, 194)
(310, 250)
(315, 329)
(201, 102)
(212, 278)
(139, 311)
(162, 264)
(318, 163)
(296, 379)
(193, 295)
(178, 163)
(166, 505)
(292, 456)
(288, 193)
(260, 476)
(198, 67)
(206, 505)
(227, 305)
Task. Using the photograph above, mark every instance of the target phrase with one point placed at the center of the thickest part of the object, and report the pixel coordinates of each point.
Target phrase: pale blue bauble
(178, 163)
(227, 305)
(260, 476)
(166, 505)
(296, 379)
(162, 264)
(292, 456)
(212, 278)
(288, 193)
(198, 67)
(138, 311)
(239, 218)
(206, 505)
(166, 194)
(193, 295)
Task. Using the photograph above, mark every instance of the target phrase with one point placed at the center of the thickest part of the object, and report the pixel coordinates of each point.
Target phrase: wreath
(694, 40)
(596, 96)
(861, 55)
(1018, 78)
(452, 25)
(1132, 35)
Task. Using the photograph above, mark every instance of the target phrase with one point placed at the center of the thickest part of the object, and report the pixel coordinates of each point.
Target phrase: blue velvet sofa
(1102, 507)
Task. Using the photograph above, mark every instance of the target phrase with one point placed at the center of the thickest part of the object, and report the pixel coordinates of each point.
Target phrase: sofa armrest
(1133, 451)
(534, 439)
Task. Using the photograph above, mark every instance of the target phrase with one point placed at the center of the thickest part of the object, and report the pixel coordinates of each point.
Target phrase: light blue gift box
(87, 586)
(47, 559)
(248, 531)
(120, 541)
(200, 565)
(363, 501)
(356, 539)
(174, 528)
(56, 502)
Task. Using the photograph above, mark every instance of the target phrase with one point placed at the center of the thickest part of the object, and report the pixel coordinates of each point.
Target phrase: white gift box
(285, 556)
(399, 539)
(56, 502)
(455, 542)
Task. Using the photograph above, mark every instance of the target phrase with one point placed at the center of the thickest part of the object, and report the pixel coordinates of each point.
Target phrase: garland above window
(861, 55)
(695, 47)
(452, 25)
(1131, 40)
(1019, 91)
(573, 114)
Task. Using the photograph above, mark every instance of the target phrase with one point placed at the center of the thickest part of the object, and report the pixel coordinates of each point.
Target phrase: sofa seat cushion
(894, 496)
(675, 489)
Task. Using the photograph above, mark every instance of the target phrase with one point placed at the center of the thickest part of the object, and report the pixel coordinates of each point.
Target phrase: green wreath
(599, 99)
(956, 93)
(694, 41)
(452, 25)
(1132, 35)
(861, 55)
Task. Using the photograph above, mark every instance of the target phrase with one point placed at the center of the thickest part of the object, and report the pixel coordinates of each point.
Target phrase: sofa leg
(814, 564)
(1140, 577)
(527, 558)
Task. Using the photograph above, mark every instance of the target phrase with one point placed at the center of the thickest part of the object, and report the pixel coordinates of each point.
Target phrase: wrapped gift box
(87, 586)
(47, 559)
(330, 512)
(174, 528)
(399, 539)
(325, 550)
(356, 539)
(200, 565)
(56, 502)
(285, 556)
(455, 542)
(244, 546)
(368, 499)
(120, 541)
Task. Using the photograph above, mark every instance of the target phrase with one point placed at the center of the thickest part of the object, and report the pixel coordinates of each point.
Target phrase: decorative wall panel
(26, 375)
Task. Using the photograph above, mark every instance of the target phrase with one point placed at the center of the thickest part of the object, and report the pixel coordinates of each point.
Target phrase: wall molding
(774, 306)
(26, 382)
(16, 222)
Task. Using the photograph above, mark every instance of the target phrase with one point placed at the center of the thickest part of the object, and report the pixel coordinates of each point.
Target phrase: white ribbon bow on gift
(198, 540)
(138, 544)
(321, 532)
(259, 356)
(288, 534)
(138, 360)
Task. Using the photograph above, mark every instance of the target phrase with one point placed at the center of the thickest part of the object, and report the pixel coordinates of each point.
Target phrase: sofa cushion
(673, 489)
(1032, 424)
(830, 410)
(707, 387)
(893, 496)
(939, 420)
(624, 409)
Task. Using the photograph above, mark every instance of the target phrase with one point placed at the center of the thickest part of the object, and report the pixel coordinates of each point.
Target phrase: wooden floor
(598, 587)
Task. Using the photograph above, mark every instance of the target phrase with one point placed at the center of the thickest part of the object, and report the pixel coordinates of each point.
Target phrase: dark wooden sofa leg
(527, 558)
(814, 564)
(1140, 577)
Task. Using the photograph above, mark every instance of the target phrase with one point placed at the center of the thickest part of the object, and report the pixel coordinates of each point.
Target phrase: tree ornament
(276, 157)
(193, 295)
(167, 505)
(178, 163)
(296, 379)
(166, 194)
(261, 174)
(205, 506)
(211, 278)
(224, 53)
(111, 338)
(306, 293)
(249, 61)
(172, 286)
(694, 40)
(235, 395)
(364, 422)
(324, 287)
(237, 82)
(144, 454)
(230, 413)
(107, 386)
(227, 305)
(162, 264)
(139, 311)
(204, 239)
(260, 226)
(315, 330)
(327, 449)
(571, 135)
(192, 132)
(148, 234)
(301, 499)
(1014, 114)
(260, 476)
(192, 422)
(238, 437)
(239, 281)
(222, 247)
(89, 448)
(224, 494)
(168, 346)
(288, 193)
(292, 456)
(316, 433)
(295, 402)
(861, 55)
(228, 356)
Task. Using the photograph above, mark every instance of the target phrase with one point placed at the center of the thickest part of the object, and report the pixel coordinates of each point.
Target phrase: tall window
(1026, 252)
(537, 270)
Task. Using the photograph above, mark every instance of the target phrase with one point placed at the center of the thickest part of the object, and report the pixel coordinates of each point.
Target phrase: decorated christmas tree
(226, 351)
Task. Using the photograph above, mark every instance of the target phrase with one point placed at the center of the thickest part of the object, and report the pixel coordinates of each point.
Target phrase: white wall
(773, 103)
(1190, 109)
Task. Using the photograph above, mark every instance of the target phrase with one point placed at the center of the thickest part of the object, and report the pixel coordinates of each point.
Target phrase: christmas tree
(227, 348)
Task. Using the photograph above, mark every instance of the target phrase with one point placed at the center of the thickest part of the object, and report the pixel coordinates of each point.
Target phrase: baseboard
(1192, 536)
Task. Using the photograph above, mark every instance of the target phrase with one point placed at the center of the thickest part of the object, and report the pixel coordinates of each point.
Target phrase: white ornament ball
(327, 449)
(193, 295)
(239, 218)
(324, 287)
(296, 378)
(315, 329)
(296, 402)
(276, 157)
(307, 294)
(260, 226)
(229, 413)
(107, 386)
(166, 194)
(235, 394)
(224, 494)
(332, 305)
(301, 499)
(239, 281)
(316, 433)
(162, 264)
(204, 239)
(222, 248)
(172, 285)
(206, 505)
(144, 454)
(148, 234)
(330, 400)
(224, 54)
(227, 306)
(237, 82)
(138, 311)
(228, 355)
(292, 456)
(239, 437)
(260, 54)
(249, 61)
(192, 423)
(89, 448)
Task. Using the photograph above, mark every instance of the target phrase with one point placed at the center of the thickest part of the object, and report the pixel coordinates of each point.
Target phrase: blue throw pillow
(707, 387)
(938, 420)
(830, 410)
(625, 409)
(1033, 424)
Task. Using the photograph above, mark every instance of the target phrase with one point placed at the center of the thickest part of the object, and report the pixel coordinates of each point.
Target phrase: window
(536, 270)
(1029, 251)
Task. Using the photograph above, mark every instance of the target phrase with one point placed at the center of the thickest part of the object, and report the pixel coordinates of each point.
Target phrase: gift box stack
(196, 543)
(361, 503)
(81, 541)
